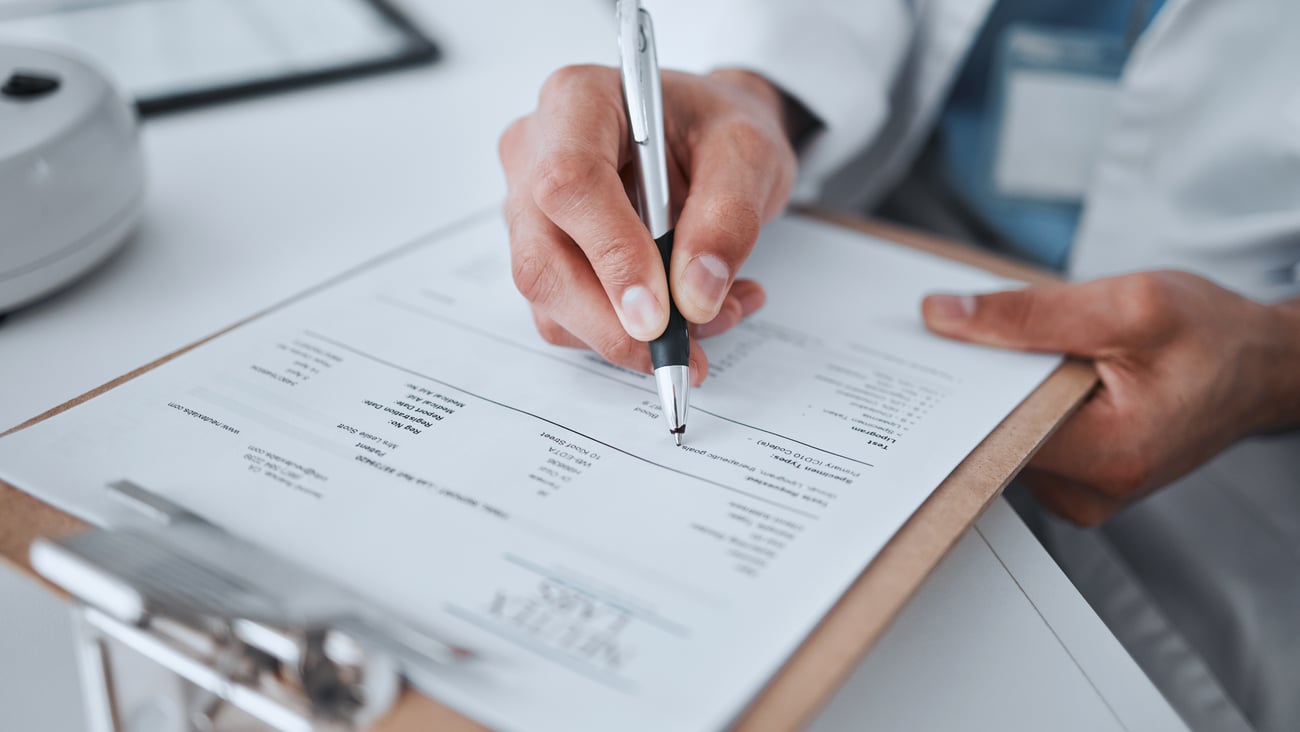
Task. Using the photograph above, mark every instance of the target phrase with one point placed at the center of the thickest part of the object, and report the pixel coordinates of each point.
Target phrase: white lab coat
(1200, 171)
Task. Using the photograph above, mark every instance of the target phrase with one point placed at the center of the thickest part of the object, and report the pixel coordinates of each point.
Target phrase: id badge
(1055, 97)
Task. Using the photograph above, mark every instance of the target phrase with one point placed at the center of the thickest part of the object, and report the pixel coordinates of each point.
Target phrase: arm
(1282, 412)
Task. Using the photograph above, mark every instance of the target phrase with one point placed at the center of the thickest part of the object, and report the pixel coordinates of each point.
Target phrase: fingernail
(951, 308)
(641, 313)
(705, 282)
(695, 373)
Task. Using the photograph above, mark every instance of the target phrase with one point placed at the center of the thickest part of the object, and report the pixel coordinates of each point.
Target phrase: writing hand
(580, 254)
(1187, 368)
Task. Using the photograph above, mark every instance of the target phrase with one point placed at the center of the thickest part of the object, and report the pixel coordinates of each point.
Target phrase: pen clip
(643, 97)
(636, 47)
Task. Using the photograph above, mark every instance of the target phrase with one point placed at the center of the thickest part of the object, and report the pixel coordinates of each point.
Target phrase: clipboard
(810, 676)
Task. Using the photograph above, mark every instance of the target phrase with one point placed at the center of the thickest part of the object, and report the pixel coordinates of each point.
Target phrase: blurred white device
(71, 171)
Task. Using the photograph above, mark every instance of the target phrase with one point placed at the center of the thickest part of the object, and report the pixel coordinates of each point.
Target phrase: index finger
(583, 133)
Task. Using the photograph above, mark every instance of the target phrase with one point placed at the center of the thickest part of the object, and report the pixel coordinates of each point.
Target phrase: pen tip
(678, 436)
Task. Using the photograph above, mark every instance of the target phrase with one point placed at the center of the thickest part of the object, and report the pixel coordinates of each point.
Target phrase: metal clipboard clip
(238, 635)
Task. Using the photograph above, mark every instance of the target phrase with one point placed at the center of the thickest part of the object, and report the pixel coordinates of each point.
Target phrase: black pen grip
(673, 347)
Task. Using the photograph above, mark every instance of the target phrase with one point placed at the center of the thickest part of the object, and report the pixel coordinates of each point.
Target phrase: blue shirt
(1038, 231)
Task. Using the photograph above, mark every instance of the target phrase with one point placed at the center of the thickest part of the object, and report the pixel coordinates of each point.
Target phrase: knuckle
(621, 349)
(617, 263)
(513, 213)
(552, 332)
(572, 79)
(1146, 301)
(562, 178)
(535, 278)
(736, 219)
(752, 141)
(1023, 317)
(511, 138)
(1008, 316)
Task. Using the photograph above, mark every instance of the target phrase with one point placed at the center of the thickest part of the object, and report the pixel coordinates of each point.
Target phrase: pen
(670, 352)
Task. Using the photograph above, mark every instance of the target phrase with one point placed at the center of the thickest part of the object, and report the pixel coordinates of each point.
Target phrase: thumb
(1059, 318)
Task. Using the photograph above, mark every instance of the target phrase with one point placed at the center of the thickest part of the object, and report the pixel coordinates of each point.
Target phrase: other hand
(1187, 368)
(579, 252)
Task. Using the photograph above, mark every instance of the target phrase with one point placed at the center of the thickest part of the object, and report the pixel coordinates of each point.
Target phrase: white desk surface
(253, 201)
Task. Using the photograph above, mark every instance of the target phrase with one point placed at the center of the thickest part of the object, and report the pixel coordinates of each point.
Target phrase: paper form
(405, 431)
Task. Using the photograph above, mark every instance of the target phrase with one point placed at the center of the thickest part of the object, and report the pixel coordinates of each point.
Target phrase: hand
(580, 254)
(1187, 368)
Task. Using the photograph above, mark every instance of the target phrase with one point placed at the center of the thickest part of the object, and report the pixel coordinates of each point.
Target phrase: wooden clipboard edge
(811, 675)
(829, 654)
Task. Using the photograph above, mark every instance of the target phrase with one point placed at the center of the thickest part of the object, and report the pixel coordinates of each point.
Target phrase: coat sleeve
(839, 59)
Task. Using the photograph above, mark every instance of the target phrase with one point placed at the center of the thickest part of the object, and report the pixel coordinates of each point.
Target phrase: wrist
(1280, 405)
(798, 123)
